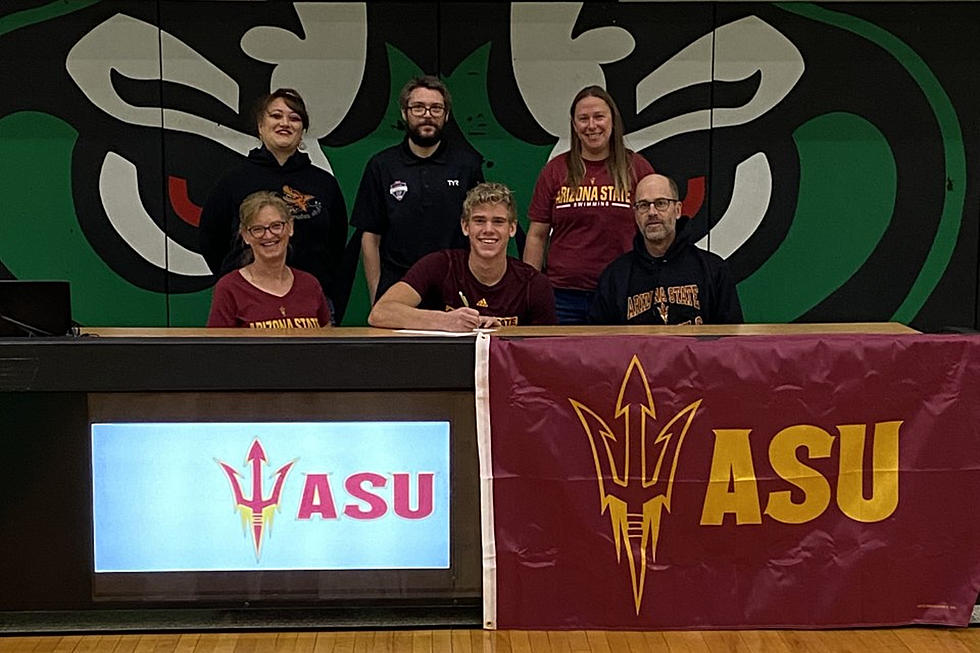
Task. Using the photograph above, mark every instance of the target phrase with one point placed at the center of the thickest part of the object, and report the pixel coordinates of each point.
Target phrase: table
(51, 390)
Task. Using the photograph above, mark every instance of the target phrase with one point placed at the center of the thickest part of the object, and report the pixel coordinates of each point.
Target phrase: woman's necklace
(284, 277)
(282, 280)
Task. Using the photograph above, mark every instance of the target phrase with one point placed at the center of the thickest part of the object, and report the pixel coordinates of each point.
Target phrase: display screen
(244, 496)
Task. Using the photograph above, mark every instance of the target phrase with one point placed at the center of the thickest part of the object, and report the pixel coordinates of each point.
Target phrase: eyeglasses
(419, 110)
(661, 204)
(275, 228)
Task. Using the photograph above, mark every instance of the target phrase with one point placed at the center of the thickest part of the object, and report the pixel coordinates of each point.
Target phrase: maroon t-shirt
(592, 224)
(237, 303)
(523, 296)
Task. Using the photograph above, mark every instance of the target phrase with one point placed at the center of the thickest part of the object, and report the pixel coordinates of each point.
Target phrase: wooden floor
(895, 640)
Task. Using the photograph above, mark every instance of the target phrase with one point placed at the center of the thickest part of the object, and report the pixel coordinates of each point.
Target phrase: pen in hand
(483, 321)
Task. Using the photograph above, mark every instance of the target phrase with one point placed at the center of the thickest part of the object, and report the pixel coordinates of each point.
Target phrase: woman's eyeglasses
(275, 228)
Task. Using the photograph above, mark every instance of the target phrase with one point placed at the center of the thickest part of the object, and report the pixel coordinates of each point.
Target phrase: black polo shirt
(415, 203)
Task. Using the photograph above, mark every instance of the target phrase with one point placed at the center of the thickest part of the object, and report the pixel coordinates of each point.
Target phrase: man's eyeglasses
(419, 110)
(275, 228)
(661, 204)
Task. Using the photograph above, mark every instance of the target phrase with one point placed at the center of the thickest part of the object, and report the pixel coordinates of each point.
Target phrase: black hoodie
(314, 199)
(687, 285)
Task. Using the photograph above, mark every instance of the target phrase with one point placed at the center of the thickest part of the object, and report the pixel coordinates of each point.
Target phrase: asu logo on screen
(256, 510)
(258, 505)
(636, 461)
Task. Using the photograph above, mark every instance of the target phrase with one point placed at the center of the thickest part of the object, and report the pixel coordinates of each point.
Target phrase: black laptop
(34, 308)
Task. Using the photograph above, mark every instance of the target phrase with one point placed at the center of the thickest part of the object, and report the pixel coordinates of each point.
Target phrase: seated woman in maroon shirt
(460, 290)
(266, 293)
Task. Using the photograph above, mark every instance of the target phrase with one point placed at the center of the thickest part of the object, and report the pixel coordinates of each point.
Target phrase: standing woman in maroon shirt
(583, 204)
(266, 293)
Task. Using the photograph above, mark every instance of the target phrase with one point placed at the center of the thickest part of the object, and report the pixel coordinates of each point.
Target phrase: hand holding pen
(467, 319)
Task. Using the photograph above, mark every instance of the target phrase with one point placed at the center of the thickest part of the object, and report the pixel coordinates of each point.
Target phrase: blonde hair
(618, 163)
(490, 192)
(257, 201)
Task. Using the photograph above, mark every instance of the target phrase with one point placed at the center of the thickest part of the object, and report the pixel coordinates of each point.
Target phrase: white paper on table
(451, 334)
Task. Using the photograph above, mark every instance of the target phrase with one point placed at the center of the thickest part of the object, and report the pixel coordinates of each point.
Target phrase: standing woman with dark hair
(317, 208)
(582, 203)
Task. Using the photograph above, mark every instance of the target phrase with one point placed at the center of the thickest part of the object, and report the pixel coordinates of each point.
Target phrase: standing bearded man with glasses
(411, 194)
(666, 279)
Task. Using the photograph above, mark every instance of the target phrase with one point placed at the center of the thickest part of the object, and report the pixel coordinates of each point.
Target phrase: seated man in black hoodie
(665, 279)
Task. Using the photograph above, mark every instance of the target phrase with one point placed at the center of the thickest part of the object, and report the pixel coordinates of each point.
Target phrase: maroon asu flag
(666, 482)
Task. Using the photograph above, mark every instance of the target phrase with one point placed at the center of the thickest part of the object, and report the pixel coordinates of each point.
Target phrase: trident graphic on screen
(256, 510)
(635, 473)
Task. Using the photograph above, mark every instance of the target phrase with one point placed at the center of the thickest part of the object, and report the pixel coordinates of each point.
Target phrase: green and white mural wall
(828, 151)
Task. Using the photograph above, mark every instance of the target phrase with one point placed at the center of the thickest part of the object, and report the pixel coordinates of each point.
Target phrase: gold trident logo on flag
(635, 472)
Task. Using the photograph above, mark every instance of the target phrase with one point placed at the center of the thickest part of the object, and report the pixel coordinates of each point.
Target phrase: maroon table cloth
(643, 482)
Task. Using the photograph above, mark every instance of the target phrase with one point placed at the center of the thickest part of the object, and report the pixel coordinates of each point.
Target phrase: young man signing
(479, 287)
